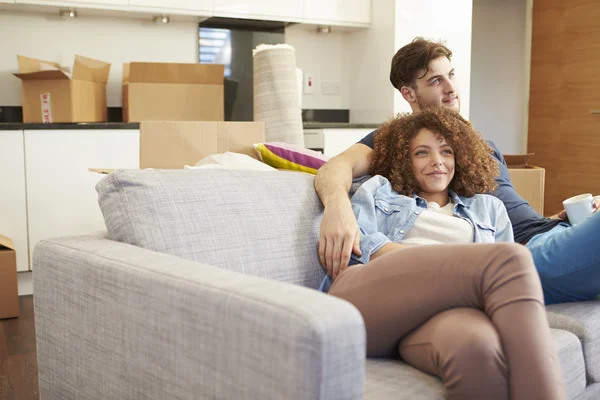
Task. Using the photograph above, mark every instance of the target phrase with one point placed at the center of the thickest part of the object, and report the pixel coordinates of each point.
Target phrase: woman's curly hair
(474, 169)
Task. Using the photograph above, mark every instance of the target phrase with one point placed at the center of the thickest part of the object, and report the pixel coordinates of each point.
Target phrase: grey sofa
(203, 288)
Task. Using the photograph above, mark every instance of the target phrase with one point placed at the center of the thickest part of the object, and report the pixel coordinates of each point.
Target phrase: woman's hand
(339, 238)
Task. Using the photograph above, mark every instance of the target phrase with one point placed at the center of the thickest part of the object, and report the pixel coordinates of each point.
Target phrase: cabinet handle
(595, 111)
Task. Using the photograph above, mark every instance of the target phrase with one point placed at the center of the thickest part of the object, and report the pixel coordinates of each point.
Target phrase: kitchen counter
(13, 126)
(18, 126)
(338, 125)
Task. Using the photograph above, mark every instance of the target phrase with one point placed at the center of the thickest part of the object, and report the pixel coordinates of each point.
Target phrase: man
(567, 258)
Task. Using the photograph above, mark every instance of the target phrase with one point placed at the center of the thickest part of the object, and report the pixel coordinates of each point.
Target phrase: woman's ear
(408, 94)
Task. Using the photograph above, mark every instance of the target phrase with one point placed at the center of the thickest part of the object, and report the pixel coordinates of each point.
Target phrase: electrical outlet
(309, 84)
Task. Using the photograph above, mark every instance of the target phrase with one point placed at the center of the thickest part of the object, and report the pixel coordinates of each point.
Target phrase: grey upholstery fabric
(570, 355)
(582, 319)
(186, 312)
(393, 379)
(592, 392)
(387, 379)
(259, 223)
(115, 321)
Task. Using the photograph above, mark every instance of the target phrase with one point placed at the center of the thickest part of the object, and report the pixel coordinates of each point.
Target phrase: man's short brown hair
(409, 62)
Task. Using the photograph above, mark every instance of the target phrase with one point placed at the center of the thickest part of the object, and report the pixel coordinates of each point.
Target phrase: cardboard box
(172, 145)
(52, 94)
(527, 179)
(9, 291)
(173, 92)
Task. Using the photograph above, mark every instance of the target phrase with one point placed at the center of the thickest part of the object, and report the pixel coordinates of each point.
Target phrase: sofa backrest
(259, 223)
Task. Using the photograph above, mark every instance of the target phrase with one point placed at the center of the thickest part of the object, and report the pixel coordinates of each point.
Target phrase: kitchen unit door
(61, 195)
(99, 4)
(201, 7)
(13, 209)
(290, 10)
(338, 12)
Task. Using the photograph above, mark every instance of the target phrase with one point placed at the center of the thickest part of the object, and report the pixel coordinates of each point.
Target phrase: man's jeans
(568, 260)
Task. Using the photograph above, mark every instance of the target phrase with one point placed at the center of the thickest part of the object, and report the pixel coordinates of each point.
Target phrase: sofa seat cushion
(583, 320)
(572, 361)
(393, 379)
(260, 223)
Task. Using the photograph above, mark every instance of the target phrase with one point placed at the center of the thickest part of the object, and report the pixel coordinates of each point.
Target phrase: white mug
(579, 207)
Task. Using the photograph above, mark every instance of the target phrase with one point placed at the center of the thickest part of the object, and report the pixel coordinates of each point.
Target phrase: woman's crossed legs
(442, 296)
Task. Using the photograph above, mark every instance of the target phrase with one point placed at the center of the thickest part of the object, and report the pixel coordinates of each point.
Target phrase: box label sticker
(46, 108)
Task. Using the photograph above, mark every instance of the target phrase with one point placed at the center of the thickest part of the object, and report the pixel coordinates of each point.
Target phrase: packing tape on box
(46, 108)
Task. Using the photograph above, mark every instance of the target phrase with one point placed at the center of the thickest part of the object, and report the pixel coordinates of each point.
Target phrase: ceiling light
(323, 29)
(67, 13)
(161, 19)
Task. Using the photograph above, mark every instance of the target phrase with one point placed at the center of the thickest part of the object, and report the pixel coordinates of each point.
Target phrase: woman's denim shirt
(385, 216)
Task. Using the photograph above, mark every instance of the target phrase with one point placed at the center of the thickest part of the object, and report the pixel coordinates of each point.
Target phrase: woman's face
(432, 162)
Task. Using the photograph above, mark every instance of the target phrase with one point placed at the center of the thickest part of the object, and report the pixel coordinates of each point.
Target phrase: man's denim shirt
(385, 216)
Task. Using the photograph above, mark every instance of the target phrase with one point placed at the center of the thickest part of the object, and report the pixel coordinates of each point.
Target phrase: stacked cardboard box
(173, 145)
(173, 92)
(527, 179)
(51, 93)
(9, 296)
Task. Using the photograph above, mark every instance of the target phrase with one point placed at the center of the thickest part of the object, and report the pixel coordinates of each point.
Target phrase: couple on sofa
(472, 314)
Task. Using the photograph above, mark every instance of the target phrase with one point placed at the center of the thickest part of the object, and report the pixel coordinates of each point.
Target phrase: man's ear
(408, 94)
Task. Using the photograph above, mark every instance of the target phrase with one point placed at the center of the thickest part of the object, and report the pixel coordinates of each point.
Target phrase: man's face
(436, 88)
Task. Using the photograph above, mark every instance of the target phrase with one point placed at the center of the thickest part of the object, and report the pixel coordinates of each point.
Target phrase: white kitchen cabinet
(204, 7)
(61, 195)
(338, 12)
(83, 3)
(13, 210)
(289, 10)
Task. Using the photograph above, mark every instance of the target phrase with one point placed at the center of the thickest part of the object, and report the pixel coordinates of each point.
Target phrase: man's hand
(563, 214)
(339, 238)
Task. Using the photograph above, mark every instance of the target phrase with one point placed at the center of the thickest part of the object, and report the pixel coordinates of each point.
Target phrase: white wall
(120, 40)
(368, 54)
(500, 72)
(448, 21)
(320, 55)
(367, 59)
(113, 40)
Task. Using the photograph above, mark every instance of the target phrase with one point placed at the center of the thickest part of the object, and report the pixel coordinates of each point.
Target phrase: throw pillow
(291, 157)
(231, 160)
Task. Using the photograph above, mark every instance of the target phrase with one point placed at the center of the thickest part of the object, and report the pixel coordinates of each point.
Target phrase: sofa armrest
(582, 319)
(114, 321)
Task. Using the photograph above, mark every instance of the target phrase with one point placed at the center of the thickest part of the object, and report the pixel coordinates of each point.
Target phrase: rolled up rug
(276, 96)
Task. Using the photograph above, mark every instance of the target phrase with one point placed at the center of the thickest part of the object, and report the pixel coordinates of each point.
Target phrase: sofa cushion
(393, 379)
(289, 156)
(572, 361)
(582, 319)
(260, 223)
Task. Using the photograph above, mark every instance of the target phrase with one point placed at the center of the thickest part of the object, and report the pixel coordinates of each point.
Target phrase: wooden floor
(18, 362)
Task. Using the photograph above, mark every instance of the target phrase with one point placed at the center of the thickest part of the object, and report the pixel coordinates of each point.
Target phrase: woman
(472, 314)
